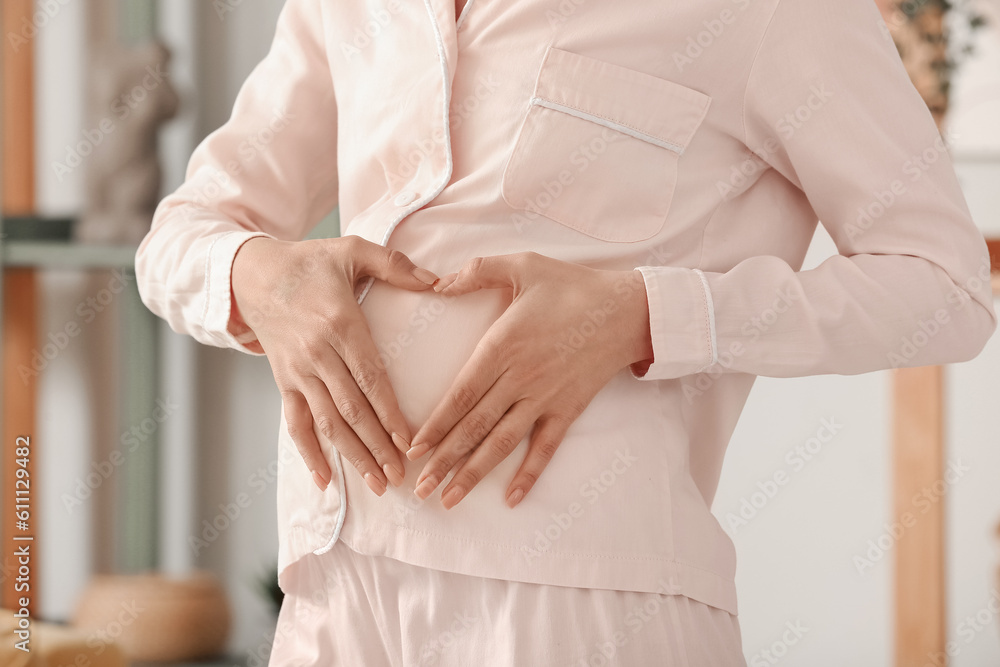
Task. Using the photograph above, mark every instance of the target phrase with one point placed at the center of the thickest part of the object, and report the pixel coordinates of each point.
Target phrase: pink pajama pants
(345, 608)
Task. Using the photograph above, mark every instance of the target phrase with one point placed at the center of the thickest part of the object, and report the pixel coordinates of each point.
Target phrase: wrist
(241, 310)
(638, 339)
(246, 274)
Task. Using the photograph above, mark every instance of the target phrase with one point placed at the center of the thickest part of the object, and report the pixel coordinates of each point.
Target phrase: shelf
(218, 662)
(65, 255)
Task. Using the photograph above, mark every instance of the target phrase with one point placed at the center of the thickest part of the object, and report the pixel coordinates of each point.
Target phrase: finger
(359, 415)
(445, 281)
(502, 440)
(358, 352)
(299, 420)
(477, 376)
(545, 440)
(390, 266)
(462, 460)
(332, 427)
(479, 273)
(467, 434)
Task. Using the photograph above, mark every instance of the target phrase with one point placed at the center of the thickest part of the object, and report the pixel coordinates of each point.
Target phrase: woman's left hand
(568, 330)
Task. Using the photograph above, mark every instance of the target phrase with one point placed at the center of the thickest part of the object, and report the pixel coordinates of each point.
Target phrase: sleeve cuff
(681, 322)
(218, 305)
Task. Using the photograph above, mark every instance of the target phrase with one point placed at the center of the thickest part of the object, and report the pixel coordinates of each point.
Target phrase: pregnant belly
(614, 456)
(425, 338)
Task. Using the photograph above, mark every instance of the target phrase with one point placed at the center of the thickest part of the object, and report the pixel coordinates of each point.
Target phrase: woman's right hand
(300, 300)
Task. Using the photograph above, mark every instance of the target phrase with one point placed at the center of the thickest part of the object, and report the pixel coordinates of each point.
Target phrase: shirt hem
(579, 570)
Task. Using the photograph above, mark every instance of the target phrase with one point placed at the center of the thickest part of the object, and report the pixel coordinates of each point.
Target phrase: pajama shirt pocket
(599, 146)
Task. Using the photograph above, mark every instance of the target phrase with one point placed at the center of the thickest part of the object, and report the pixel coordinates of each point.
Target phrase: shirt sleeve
(911, 283)
(270, 170)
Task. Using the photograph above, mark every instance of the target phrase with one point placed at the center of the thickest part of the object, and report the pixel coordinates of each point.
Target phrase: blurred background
(151, 453)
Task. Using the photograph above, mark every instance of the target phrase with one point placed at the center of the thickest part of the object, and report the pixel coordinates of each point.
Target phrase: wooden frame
(918, 453)
(20, 325)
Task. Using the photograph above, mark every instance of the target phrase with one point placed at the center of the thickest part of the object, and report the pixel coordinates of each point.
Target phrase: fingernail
(446, 282)
(320, 482)
(451, 498)
(515, 497)
(374, 483)
(394, 476)
(424, 276)
(400, 442)
(415, 453)
(426, 487)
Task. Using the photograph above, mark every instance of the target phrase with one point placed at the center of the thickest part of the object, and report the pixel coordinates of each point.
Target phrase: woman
(572, 239)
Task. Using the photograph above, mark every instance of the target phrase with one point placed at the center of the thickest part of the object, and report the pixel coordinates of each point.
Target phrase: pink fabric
(697, 142)
(344, 609)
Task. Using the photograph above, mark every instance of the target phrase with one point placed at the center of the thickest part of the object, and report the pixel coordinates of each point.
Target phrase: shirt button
(405, 198)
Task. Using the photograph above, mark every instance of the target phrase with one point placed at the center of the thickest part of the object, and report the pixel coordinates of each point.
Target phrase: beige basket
(55, 646)
(156, 618)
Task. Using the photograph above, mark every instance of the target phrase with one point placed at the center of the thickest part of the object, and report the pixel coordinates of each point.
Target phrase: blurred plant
(924, 32)
(267, 586)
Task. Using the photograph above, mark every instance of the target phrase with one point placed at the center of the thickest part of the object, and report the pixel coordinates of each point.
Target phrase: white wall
(795, 557)
(72, 418)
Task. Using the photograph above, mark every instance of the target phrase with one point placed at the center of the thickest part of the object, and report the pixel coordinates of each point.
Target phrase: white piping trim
(208, 281)
(711, 318)
(447, 137)
(625, 129)
(385, 239)
(342, 514)
(461, 17)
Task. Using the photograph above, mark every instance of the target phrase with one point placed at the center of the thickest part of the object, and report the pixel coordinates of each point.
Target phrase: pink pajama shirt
(699, 143)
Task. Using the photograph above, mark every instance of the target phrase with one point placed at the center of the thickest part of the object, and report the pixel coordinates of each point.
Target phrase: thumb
(479, 273)
(391, 266)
